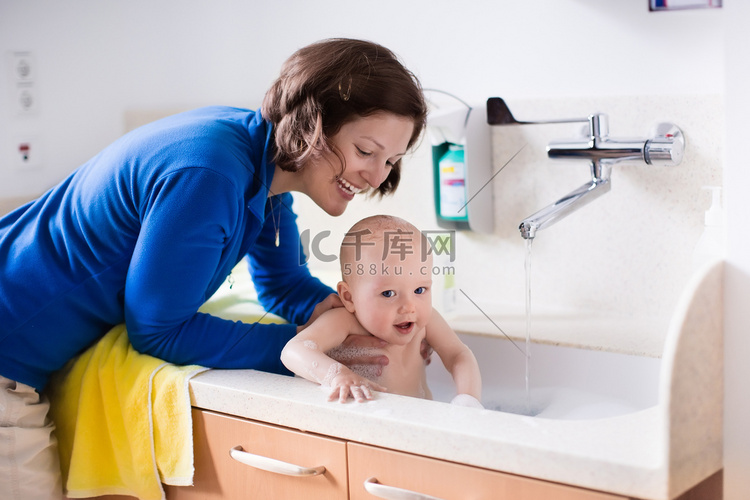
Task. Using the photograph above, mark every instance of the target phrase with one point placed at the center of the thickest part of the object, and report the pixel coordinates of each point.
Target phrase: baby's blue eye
(421, 290)
(388, 293)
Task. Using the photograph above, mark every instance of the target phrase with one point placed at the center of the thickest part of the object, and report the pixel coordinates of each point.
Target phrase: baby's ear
(345, 295)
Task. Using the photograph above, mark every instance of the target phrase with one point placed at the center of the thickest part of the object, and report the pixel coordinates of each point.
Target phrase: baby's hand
(345, 384)
(466, 400)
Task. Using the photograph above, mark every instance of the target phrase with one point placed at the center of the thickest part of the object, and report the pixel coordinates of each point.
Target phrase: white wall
(97, 59)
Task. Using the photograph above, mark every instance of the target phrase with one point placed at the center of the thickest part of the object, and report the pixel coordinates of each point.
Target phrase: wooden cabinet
(392, 471)
(220, 476)
(350, 469)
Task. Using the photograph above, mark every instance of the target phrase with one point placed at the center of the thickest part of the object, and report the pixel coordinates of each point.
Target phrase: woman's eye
(388, 293)
(421, 290)
(363, 152)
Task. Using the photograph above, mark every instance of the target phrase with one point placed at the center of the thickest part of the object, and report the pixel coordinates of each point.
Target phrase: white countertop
(619, 455)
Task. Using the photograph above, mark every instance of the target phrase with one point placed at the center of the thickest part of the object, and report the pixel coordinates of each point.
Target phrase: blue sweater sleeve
(188, 219)
(280, 274)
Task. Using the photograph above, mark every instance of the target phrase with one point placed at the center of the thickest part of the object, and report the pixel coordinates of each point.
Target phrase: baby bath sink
(565, 383)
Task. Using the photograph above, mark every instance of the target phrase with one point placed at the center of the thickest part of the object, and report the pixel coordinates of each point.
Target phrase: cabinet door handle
(272, 465)
(373, 487)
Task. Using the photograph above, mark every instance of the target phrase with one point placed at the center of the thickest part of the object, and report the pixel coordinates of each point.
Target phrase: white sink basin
(565, 383)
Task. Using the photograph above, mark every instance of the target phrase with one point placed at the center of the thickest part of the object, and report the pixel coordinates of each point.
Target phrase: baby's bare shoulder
(338, 315)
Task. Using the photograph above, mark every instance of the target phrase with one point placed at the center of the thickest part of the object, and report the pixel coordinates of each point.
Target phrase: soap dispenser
(711, 243)
(462, 168)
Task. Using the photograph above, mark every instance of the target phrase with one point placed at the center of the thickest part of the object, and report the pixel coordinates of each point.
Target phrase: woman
(149, 228)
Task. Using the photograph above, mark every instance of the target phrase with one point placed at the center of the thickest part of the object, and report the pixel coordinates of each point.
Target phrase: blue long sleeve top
(144, 233)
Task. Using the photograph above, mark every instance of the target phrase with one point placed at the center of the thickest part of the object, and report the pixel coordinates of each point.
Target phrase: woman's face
(370, 146)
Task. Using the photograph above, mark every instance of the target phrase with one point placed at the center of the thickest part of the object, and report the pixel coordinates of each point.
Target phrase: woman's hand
(361, 350)
(425, 350)
(329, 302)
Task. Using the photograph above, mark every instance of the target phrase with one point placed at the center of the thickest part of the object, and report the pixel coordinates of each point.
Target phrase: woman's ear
(345, 294)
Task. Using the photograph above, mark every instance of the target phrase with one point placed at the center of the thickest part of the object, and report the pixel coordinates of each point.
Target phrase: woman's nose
(376, 175)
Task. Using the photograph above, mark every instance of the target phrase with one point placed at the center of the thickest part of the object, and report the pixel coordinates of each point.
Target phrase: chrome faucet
(665, 148)
(600, 184)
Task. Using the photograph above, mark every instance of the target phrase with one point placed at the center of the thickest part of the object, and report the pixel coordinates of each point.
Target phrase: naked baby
(386, 269)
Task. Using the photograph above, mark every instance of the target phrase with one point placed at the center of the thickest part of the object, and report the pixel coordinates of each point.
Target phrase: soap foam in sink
(571, 404)
(558, 404)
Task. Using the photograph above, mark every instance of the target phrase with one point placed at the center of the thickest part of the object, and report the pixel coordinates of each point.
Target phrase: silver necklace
(276, 225)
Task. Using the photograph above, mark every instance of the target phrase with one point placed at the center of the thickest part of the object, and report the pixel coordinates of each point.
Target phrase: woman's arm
(178, 259)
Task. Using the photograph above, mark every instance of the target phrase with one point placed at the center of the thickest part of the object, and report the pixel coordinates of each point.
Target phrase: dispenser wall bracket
(465, 126)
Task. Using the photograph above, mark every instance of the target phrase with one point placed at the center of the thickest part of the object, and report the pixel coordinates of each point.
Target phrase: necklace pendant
(277, 238)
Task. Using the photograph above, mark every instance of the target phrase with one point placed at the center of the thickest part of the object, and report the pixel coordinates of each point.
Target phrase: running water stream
(527, 267)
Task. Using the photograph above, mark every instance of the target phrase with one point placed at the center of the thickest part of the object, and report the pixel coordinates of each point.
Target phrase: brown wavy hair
(330, 83)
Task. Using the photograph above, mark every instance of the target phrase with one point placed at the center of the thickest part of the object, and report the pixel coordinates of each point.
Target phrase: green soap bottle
(452, 184)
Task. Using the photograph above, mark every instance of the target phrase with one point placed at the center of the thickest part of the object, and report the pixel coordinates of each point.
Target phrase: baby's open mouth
(406, 326)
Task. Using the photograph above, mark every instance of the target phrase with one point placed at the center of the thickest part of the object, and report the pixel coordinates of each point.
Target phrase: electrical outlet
(22, 75)
(23, 67)
(25, 100)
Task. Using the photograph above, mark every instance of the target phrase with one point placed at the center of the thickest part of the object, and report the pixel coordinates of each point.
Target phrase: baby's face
(391, 296)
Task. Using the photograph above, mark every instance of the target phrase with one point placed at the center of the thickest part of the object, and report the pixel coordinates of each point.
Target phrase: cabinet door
(447, 481)
(220, 476)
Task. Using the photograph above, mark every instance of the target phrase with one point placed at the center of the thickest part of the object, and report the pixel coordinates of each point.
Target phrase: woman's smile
(348, 188)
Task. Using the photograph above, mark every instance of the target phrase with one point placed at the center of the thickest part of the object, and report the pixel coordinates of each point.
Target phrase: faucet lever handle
(667, 146)
(498, 113)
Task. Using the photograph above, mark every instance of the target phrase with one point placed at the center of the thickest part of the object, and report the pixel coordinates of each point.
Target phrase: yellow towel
(123, 421)
(123, 418)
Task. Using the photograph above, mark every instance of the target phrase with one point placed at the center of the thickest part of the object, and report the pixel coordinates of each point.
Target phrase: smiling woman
(368, 148)
(150, 227)
(326, 85)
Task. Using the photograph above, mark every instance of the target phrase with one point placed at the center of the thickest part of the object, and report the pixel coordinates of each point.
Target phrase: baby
(386, 269)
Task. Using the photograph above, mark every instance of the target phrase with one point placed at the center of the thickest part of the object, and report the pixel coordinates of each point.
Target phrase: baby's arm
(457, 358)
(305, 355)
